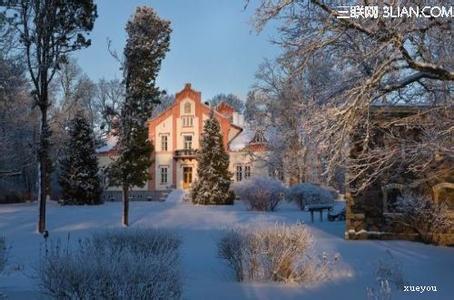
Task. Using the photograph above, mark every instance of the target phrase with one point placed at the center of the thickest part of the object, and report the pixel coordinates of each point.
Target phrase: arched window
(187, 108)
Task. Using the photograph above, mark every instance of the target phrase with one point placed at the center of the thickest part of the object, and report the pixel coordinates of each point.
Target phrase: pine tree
(213, 183)
(147, 44)
(79, 178)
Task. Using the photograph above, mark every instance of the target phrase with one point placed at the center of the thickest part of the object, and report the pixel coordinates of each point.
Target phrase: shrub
(260, 193)
(309, 194)
(132, 264)
(420, 214)
(277, 253)
(388, 274)
(3, 254)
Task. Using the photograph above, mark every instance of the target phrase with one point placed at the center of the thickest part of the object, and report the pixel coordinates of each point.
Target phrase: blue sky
(213, 44)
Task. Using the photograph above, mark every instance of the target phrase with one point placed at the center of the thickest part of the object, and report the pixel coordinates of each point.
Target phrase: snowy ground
(205, 275)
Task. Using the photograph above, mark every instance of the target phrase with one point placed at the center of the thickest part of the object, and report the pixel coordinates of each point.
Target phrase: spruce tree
(213, 183)
(79, 178)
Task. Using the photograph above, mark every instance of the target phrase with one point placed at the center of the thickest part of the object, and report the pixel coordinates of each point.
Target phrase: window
(247, 172)
(188, 121)
(187, 108)
(391, 193)
(239, 173)
(164, 143)
(188, 142)
(276, 173)
(164, 175)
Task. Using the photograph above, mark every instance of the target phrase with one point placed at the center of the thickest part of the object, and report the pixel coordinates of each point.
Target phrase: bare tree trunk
(42, 171)
(125, 219)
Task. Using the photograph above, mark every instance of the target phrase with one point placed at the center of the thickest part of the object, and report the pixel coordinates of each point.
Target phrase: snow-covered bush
(120, 264)
(260, 193)
(422, 215)
(389, 277)
(3, 253)
(275, 253)
(309, 194)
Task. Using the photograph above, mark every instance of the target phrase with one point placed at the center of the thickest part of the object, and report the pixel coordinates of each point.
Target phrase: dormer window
(187, 108)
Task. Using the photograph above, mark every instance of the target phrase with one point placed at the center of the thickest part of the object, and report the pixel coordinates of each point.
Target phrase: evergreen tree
(212, 186)
(146, 46)
(79, 176)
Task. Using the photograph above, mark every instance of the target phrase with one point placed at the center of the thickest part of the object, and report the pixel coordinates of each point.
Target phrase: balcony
(185, 153)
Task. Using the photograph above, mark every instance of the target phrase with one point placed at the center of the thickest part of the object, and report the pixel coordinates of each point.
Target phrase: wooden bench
(319, 208)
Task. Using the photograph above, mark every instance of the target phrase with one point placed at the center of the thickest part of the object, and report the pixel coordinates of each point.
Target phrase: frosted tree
(146, 47)
(213, 183)
(230, 99)
(79, 177)
(18, 125)
(420, 214)
(49, 30)
(109, 95)
(375, 61)
(282, 106)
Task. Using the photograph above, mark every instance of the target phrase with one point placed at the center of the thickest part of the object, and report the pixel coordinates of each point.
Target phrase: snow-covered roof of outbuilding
(250, 138)
(243, 139)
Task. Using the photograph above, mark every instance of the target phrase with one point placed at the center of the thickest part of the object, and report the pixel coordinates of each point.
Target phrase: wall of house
(243, 158)
(174, 124)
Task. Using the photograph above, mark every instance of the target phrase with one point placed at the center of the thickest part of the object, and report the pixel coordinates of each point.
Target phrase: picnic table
(319, 208)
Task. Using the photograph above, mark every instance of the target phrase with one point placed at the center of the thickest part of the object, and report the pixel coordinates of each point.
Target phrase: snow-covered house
(175, 134)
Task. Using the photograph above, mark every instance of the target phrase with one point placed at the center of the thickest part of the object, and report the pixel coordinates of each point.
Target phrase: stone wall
(368, 215)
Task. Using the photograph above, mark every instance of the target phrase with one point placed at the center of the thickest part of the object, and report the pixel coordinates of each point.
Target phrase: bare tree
(49, 30)
(18, 124)
(376, 61)
(110, 94)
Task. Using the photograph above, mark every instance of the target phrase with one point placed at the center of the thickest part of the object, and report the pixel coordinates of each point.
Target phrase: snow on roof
(111, 141)
(242, 139)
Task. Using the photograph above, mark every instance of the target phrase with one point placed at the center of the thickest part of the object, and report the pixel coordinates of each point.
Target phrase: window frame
(185, 142)
(187, 108)
(187, 121)
(247, 172)
(238, 173)
(166, 142)
(164, 174)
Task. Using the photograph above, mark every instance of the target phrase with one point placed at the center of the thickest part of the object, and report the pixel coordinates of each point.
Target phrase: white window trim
(161, 173)
(167, 142)
(184, 141)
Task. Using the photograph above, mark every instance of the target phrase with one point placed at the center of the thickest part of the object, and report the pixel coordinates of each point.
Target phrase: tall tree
(49, 30)
(213, 182)
(375, 61)
(79, 177)
(18, 125)
(109, 95)
(230, 99)
(146, 47)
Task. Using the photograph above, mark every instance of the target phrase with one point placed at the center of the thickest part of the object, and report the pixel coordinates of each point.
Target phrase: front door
(187, 177)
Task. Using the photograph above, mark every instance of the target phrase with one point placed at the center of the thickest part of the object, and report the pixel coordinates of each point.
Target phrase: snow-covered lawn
(205, 276)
